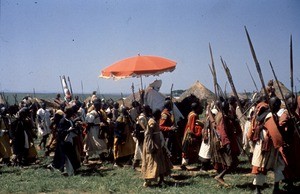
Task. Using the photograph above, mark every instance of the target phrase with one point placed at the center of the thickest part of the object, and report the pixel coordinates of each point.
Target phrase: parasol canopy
(138, 66)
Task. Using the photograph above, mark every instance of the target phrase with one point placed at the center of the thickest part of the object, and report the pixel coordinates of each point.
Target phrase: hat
(156, 84)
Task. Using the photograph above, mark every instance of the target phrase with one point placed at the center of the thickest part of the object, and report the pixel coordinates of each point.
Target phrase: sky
(41, 40)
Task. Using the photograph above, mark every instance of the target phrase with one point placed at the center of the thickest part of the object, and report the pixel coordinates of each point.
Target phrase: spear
(291, 65)
(230, 80)
(70, 85)
(122, 97)
(213, 70)
(171, 96)
(252, 78)
(295, 123)
(256, 63)
(61, 84)
(225, 89)
(82, 90)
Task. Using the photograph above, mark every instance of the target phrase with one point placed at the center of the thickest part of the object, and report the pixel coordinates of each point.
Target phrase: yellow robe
(156, 163)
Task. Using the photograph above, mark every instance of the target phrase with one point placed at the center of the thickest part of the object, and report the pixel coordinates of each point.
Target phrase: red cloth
(274, 132)
(192, 125)
(166, 121)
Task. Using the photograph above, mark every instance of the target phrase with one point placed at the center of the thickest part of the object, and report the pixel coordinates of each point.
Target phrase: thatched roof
(240, 95)
(284, 89)
(277, 91)
(129, 99)
(199, 90)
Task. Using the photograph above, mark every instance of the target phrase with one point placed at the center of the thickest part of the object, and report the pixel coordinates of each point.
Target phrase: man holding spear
(268, 151)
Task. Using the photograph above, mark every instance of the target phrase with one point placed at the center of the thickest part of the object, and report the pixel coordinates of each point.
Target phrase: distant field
(11, 99)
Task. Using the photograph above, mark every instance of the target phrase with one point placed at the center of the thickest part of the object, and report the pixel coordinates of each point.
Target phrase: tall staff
(70, 85)
(295, 123)
(256, 63)
(227, 71)
(132, 89)
(213, 71)
(252, 78)
(291, 65)
(62, 85)
(172, 105)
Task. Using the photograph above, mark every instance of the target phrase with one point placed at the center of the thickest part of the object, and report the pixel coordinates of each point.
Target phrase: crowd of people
(147, 135)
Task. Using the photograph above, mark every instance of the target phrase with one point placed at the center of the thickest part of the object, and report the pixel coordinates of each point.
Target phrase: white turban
(156, 85)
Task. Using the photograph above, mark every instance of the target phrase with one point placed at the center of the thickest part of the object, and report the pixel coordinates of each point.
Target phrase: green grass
(97, 178)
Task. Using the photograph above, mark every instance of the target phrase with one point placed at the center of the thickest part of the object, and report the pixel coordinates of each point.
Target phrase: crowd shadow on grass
(251, 187)
(180, 177)
(241, 170)
(170, 183)
(93, 170)
(247, 186)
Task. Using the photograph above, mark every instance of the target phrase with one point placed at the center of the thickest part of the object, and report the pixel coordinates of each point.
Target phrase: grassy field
(104, 178)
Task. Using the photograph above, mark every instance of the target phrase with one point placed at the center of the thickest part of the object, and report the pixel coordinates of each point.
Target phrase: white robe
(43, 121)
(93, 144)
(156, 100)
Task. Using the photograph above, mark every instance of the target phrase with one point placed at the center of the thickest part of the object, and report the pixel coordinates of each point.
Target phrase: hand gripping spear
(256, 63)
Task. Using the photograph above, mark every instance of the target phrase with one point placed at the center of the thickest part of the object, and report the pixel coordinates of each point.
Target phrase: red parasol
(138, 66)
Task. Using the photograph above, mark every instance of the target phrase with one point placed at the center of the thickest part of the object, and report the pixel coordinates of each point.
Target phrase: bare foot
(221, 181)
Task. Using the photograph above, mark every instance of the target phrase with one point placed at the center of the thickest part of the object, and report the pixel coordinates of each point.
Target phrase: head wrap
(156, 85)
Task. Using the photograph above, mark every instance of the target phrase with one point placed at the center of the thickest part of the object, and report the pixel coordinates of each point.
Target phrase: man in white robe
(156, 100)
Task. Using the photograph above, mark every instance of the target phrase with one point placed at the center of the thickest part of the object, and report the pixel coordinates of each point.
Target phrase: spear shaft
(252, 78)
(284, 100)
(213, 71)
(256, 62)
(132, 89)
(61, 84)
(70, 85)
(291, 65)
(229, 77)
